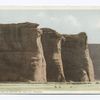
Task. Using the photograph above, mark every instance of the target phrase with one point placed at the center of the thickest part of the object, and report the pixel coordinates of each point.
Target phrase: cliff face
(76, 59)
(95, 55)
(29, 53)
(21, 54)
(51, 42)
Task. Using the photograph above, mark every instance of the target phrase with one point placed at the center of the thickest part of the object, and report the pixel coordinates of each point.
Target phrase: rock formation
(21, 54)
(51, 41)
(28, 53)
(95, 55)
(76, 59)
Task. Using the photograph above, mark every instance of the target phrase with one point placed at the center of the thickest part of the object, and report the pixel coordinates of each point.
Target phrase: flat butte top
(26, 24)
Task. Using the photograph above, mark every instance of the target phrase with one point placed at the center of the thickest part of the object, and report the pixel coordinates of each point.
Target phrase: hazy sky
(63, 21)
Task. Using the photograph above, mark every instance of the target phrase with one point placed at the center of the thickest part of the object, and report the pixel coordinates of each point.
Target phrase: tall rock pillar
(51, 42)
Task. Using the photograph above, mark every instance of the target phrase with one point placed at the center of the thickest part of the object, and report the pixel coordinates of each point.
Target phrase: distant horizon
(63, 21)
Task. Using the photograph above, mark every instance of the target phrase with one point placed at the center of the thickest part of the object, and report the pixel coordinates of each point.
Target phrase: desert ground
(50, 88)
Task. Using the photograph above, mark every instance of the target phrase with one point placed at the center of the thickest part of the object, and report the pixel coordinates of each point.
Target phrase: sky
(63, 21)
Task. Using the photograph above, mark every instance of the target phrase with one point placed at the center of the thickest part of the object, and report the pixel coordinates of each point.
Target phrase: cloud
(73, 21)
(53, 19)
(71, 24)
(41, 14)
(97, 25)
(64, 24)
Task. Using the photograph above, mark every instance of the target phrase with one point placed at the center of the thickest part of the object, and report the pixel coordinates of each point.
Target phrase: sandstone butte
(28, 53)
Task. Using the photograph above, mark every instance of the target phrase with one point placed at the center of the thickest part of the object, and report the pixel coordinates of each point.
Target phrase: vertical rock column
(21, 54)
(34, 54)
(51, 42)
(76, 59)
